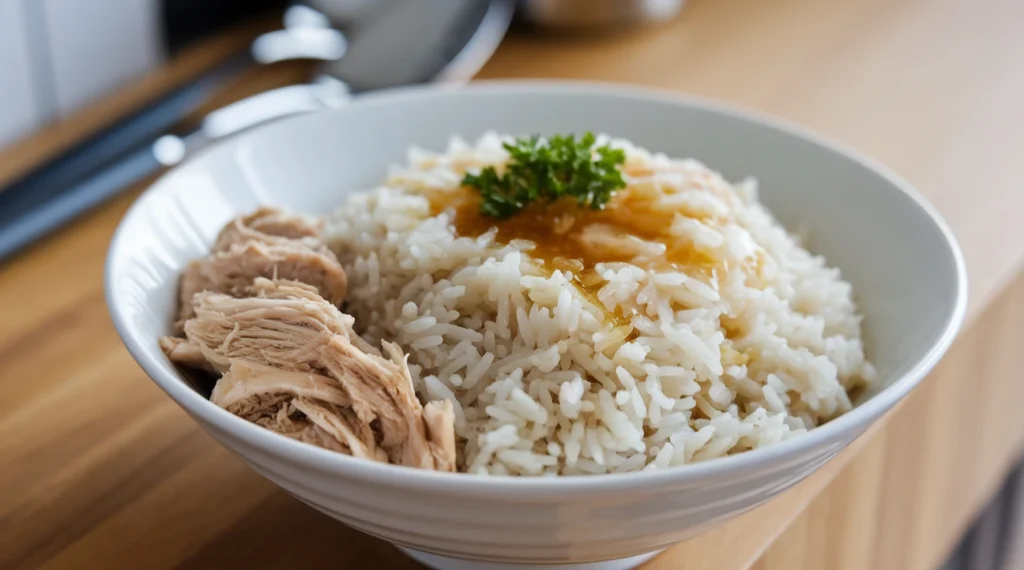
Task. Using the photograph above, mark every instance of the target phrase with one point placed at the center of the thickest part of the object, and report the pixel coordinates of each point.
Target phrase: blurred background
(97, 97)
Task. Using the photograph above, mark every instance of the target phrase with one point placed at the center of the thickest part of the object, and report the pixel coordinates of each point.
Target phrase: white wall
(98, 45)
(21, 108)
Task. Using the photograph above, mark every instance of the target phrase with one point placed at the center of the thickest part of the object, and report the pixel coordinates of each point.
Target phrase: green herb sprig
(549, 169)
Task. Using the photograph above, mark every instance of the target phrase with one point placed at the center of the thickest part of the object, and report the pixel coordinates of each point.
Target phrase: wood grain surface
(908, 494)
(98, 469)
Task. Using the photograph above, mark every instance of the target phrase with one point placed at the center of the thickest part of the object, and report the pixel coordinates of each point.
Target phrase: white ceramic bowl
(907, 272)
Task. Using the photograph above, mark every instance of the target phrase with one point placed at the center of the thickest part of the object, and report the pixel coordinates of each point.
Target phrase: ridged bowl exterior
(587, 527)
(902, 260)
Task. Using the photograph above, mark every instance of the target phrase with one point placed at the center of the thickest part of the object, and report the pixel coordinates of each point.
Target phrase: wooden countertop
(99, 469)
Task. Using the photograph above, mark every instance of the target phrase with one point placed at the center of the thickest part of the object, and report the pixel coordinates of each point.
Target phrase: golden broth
(571, 237)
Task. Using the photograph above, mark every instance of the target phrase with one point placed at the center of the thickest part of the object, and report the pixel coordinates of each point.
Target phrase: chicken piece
(289, 327)
(276, 413)
(265, 243)
(280, 308)
(382, 390)
(439, 418)
(267, 225)
(245, 379)
(233, 270)
(184, 353)
(278, 400)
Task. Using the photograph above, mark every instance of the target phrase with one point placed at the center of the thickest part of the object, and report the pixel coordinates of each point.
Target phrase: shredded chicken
(262, 310)
(269, 244)
(185, 353)
(266, 224)
(267, 323)
(276, 413)
(285, 326)
(273, 398)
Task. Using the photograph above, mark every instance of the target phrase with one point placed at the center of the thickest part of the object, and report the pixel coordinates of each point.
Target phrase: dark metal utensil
(29, 213)
(453, 50)
(112, 142)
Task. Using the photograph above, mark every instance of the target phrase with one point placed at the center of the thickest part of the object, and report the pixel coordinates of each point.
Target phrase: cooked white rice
(543, 384)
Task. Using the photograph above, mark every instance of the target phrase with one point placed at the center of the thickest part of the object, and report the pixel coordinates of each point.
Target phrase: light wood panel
(100, 470)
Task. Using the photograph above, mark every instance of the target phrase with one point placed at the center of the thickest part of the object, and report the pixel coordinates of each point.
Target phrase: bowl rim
(855, 421)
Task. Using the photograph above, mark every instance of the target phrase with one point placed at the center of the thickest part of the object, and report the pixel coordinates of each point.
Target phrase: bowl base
(445, 563)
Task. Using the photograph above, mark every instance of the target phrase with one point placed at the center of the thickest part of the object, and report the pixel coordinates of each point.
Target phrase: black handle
(53, 177)
(39, 221)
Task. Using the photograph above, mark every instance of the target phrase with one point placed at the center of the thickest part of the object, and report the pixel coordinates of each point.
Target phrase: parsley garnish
(549, 169)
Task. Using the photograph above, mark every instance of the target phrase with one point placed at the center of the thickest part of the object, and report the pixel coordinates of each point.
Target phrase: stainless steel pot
(597, 13)
(393, 43)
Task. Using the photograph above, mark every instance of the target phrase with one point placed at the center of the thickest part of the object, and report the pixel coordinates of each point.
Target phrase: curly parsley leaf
(547, 170)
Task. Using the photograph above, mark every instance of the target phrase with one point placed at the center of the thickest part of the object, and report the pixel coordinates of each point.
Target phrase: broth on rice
(571, 237)
(679, 323)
